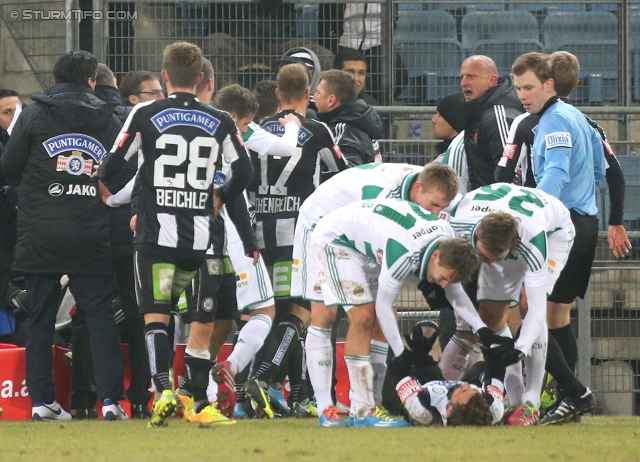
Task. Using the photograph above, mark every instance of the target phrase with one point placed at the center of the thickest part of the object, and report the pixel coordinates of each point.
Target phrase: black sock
(173, 333)
(241, 378)
(297, 368)
(558, 368)
(274, 354)
(567, 343)
(158, 349)
(197, 372)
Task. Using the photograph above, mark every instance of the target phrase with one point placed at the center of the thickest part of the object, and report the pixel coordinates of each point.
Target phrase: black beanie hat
(451, 108)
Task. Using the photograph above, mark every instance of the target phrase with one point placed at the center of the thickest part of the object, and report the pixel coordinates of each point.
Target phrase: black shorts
(574, 278)
(214, 292)
(161, 279)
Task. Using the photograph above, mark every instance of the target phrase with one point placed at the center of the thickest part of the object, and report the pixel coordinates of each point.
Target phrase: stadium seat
(505, 52)
(427, 44)
(501, 35)
(496, 6)
(610, 7)
(412, 6)
(195, 17)
(307, 20)
(593, 37)
(508, 26)
(542, 8)
(581, 6)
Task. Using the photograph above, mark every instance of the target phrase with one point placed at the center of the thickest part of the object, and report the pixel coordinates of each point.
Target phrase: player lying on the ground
(428, 399)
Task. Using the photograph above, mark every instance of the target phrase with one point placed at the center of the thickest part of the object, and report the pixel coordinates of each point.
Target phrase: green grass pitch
(289, 440)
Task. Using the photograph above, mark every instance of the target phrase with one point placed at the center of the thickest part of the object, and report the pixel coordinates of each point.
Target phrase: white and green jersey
(396, 236)
(541, 218)
(537, 213)
(399, 236)
(456, 158)
(368, 181)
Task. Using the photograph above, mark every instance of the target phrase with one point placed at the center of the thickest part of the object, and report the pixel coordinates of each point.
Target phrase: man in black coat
(491, 105)
(356, 126)
(63, 227)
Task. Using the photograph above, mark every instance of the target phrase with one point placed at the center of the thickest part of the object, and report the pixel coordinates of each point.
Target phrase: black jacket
(109, 95)
(356, 128)
(62, 223)
(517, 154)
(120, 234)
(487, 128)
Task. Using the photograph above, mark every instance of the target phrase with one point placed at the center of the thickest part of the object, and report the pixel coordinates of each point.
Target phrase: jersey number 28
(185, 150)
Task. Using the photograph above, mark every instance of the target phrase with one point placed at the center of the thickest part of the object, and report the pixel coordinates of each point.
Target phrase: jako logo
(56, 189)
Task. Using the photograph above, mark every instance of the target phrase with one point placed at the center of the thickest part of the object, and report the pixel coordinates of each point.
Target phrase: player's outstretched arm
(463, 305)
(239, 215)
(241, 169)
(387, 319)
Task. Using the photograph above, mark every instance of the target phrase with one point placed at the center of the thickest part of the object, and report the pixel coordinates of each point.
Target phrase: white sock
(361, 382)
(379, 352)
(320, 364)
(513, 382)
(212, 390)
(455, 358)
(473, 357)
(250, 339)
(534, 368)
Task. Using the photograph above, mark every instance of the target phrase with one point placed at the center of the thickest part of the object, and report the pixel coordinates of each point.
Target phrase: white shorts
(348, 278)
(502, 280)
(253, 285)
(305, 274)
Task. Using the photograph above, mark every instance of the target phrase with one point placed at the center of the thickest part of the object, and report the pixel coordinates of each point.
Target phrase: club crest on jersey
(220, 178)
(358, 290)
(558, 140)
(75, 142)
(180, 117)
(74, 164)
(509, 150)
(207, 304)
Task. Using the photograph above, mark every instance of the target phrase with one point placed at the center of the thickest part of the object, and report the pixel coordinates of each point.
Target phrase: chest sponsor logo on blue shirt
(176, 117)
(276, 128)
(558, 140)
(75, 142)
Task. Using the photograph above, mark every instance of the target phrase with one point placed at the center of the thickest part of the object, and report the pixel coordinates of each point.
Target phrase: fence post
(584, 339)
(72, 27)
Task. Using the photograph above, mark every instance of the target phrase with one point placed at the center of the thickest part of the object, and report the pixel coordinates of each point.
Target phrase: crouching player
(431, 187)
(428, 399)
(542, 236)
(380, 243)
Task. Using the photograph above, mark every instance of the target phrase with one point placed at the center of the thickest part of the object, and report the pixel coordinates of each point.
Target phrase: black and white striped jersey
(181, 144)
(281, 184)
